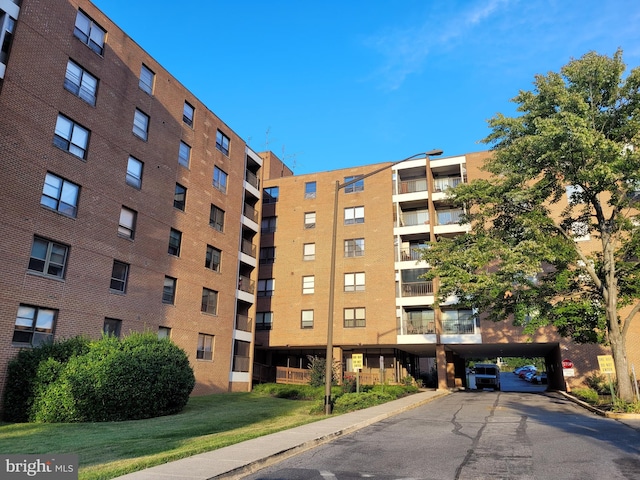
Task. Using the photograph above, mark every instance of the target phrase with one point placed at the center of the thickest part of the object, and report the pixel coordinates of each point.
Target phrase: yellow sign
(606, 364)
(356, 360)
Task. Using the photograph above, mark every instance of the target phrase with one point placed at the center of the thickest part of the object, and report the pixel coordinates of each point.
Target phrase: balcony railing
(246, 284)
(444, 183)
(416, 289)
(244, 323)
(240, 363)
(250, 212)
(297, 376)
(412, 186)
(458, 327)
(252, 179)
(409, 254)
(248, 248)
(449, 217)
(418, 217)
(418, 327)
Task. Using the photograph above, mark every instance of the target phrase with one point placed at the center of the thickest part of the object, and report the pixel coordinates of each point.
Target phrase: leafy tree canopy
(554, 228)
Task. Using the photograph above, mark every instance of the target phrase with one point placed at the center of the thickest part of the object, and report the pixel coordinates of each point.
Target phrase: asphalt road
(477, 435)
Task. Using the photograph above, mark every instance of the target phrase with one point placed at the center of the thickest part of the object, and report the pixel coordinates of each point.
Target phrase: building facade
(127, 204)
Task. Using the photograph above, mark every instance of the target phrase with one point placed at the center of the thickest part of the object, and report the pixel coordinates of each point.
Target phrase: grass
(110, 449)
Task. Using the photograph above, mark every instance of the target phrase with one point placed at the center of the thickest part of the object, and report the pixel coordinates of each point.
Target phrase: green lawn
(107, 450)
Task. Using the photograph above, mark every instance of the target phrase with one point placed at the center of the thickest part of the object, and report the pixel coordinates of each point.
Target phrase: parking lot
(510, 383)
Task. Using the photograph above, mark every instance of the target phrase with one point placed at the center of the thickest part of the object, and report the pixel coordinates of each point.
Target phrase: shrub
(587, 394)
(137, 377)
(292, 392)
(32, 370)
(317, 365)
(599, 383)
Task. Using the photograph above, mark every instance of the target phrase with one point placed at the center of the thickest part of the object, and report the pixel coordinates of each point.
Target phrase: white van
(487, 376)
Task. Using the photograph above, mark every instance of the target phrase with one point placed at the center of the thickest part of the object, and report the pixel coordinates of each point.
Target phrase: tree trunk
(619, 351)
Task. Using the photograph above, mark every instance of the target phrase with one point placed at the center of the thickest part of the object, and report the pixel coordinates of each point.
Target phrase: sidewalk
(236, 461)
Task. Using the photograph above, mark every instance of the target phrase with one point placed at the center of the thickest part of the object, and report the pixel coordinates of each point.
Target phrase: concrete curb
(271, 459)
(614, 415)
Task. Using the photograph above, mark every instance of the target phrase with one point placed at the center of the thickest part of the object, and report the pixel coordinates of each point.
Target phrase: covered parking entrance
(451, 360)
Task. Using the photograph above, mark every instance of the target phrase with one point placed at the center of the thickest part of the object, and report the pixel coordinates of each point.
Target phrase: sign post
(605, 362)
(356, 361)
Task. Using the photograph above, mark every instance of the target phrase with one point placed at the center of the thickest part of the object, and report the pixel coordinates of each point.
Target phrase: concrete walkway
(239, 460)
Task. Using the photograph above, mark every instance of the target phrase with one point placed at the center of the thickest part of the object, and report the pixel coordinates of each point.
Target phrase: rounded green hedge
(137, 377)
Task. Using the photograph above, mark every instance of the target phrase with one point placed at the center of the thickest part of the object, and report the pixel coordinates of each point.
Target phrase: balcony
(240, 363)
(411, 253)
(251, 213)
(247, 247)
(418, 327)
(413, 218)
(416, 289)
(449, 217)
(252, 179)
(445, 183)
(245, 284)
(244, 323)
(412, 186)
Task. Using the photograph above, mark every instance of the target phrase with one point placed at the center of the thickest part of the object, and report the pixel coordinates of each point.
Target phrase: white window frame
(216, 218)
(306, 319)
(220, 178)
(60, 195)
(134, 172)
(120, 283)
(188, 114)
(354, 282)
(81, 83)
(266, 287)
(127, 223)
(310, 220)
(354, 247)
(71, 137)
(141, 124)
(147, 79)
(89, 32)
(353, 215)
(355, 317)
(309, 251)
(308, 284)
(209, 301)
(184, 154)
(38, 322)
(222, 142)
(52, 262)
(205, 347)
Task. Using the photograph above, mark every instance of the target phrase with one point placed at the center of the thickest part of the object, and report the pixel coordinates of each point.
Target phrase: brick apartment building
(130, 206)
(127, 204)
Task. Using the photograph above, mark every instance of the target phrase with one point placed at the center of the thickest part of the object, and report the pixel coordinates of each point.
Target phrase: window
(212, 258)
(146, 79)
(48, 258)
(187, 114)
(164, 332)
(71, 137)
(140, 124)
(220, 179)
(180, 197)
(175, 239)
(184, 154)
(205, 347)
(269, 224)
(7, 27)
(354, 317)
(81, 83)
(127, 224)
(60, 195)
(264, 320)
(267, 255)
(169, 290)
(222, 142)
(270, 195)
(580, 231)
(209, 301)
(306, 319)
(310, 220)
(134, 172)
(266, 287)
(216, 218)
(34, 325)
(89, 33)
(111, 327)
(309, 251)
(310, 190)
(353, 215)
(357, 186)
(308, 284)
(354, 282)
(119, 274)
(354, 247)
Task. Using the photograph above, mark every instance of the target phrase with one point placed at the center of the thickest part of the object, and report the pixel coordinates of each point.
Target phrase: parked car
(518, 370)
(540, 379)
(526, 370)
(530, 375)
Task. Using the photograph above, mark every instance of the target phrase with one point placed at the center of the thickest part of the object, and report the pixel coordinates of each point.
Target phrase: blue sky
(334, 84)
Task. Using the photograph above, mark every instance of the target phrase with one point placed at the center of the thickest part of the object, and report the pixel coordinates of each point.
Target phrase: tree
(524, 257)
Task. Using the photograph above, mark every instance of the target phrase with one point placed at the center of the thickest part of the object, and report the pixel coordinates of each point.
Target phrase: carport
(451, 359)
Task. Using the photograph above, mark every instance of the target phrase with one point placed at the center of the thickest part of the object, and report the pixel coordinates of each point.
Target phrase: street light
(332, 279)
